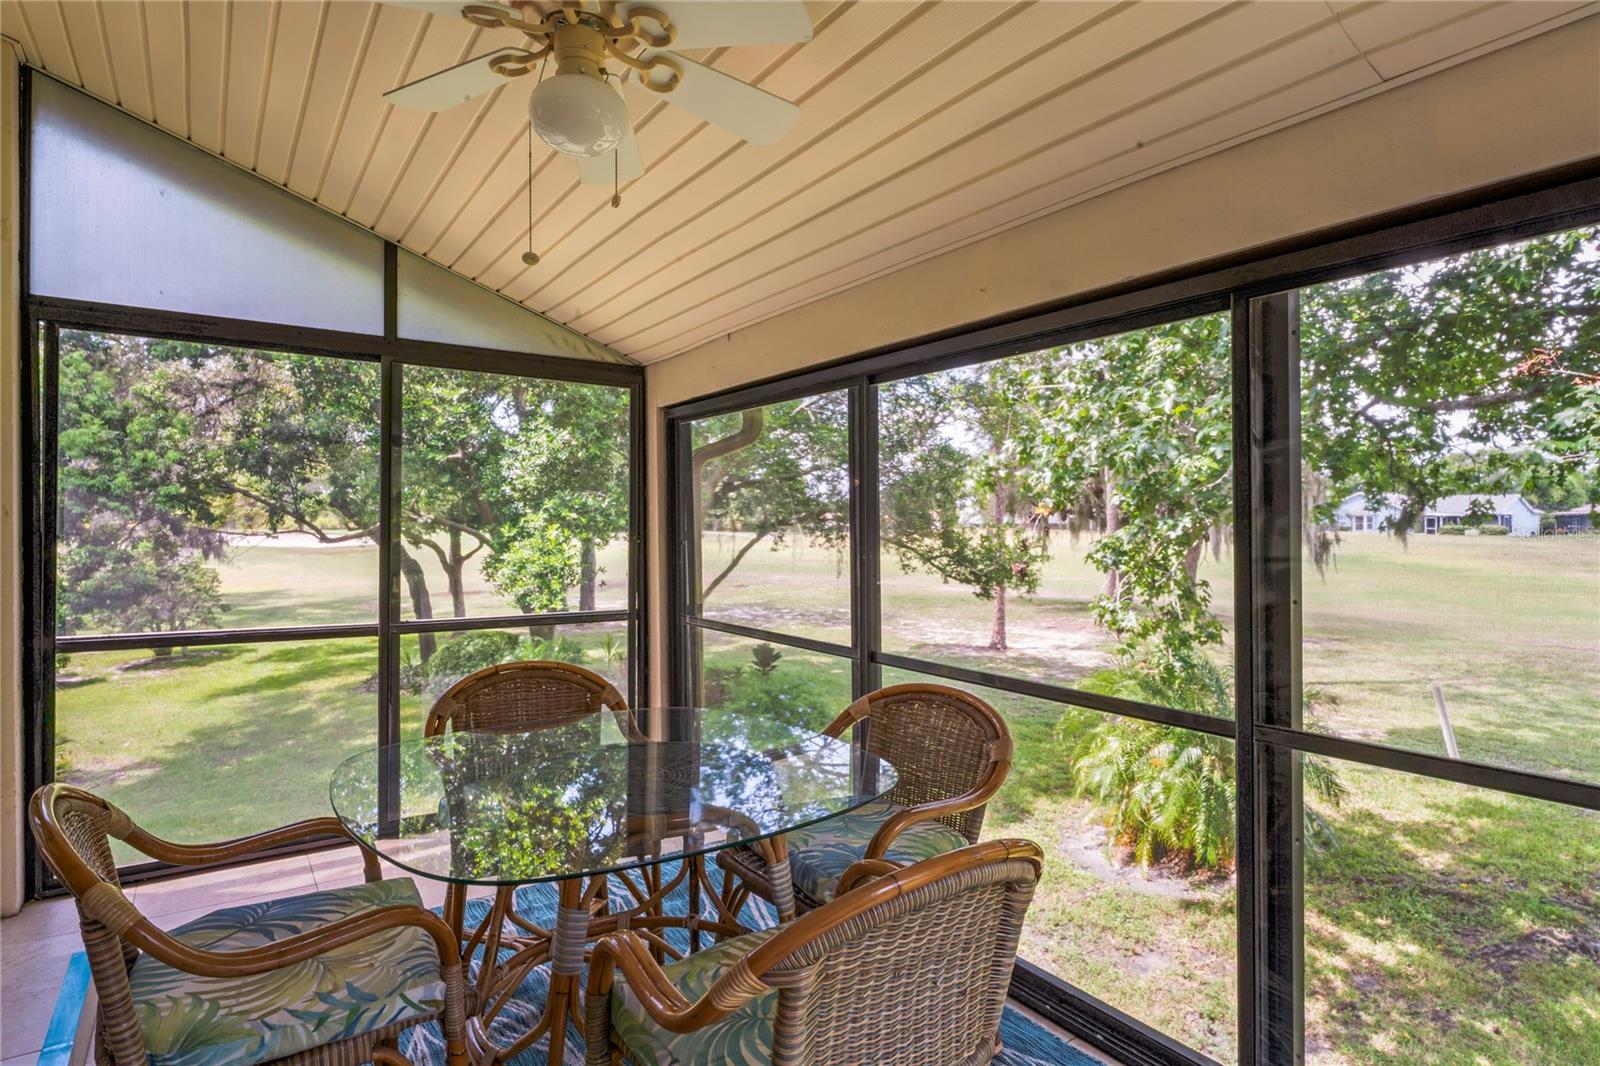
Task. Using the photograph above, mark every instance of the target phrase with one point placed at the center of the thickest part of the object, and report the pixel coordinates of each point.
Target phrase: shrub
(1454, 530)
(1493, 531)
(1170, 792)
(466, 652)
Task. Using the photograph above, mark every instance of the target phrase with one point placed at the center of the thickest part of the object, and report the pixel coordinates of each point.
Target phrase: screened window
(296, 483)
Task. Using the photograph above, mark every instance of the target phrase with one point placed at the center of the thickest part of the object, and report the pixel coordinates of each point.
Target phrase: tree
(1141, 424)
(166, 444)
(1470, 374)
(953, 502)
(768, 472)
(139, 477)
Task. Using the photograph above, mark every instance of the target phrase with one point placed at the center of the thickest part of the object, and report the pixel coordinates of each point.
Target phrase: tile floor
(36, 943)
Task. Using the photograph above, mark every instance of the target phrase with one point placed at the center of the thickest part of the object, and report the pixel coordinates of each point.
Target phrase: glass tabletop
(593, 796)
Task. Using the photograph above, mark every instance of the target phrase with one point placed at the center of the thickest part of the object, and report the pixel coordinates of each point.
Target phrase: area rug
(1025, 1042)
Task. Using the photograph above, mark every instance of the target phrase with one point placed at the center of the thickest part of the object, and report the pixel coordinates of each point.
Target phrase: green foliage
(1135, 432)
(466, 652)
(1170, 792)
(787, 698)
(535, 564)
(952, 502)
(765, 657)
(1474, 373)
(770, 471)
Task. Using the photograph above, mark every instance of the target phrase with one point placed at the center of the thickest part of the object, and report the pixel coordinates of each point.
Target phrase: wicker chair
(522, 696)
(952, 752)
(324, 979)
(913, 965)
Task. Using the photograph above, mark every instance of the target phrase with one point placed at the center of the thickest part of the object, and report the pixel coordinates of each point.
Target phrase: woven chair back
(920, 978)
(940, 741)
(522, 696)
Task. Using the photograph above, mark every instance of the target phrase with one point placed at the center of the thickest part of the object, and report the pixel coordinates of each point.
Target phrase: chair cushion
(743, 1038)
(820, 854)
(373, 982)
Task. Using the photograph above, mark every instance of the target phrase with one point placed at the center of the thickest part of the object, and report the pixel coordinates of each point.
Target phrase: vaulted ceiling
(922, 126)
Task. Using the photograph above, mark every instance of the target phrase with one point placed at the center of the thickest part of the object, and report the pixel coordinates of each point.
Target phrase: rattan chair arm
(865, 870)
(993, 777)
(223, 851)
(158, 943)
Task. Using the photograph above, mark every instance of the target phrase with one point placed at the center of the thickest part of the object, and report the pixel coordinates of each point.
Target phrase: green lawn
(1449, 925)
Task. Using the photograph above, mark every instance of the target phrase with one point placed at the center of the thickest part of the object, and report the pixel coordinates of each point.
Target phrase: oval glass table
(596, 807)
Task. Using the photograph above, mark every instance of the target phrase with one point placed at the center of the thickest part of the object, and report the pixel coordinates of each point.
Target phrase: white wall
(1526, 108)
(11, 394)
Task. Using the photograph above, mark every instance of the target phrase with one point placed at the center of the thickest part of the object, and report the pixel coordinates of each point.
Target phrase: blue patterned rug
(1025, 1043)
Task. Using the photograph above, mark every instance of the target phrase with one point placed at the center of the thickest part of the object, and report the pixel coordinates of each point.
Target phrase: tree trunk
(1191, 560)
(1113, 522)
(421, 602)
(997, 632)
(586, 582)
(453, 570)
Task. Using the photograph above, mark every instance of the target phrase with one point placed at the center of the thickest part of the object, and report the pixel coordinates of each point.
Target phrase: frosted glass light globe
(578, 115)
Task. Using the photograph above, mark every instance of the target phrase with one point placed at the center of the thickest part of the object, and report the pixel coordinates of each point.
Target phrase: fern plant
(1167, 791)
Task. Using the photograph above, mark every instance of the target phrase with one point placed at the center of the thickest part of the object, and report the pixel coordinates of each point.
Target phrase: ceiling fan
(577, 110)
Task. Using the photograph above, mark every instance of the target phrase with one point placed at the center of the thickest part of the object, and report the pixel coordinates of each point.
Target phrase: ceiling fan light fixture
(578, 114)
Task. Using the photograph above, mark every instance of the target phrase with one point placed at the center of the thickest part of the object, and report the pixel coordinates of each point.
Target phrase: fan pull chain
(616, 176)
(530, 257)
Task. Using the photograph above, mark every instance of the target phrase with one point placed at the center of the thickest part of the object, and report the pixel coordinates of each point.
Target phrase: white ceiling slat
(445, 42)
(250, 43)
(444, 140)
(15, 25)
(974, 132)
(497, 139)
(1052, 178)
(167, 34)
(125, 39)
(384, 63)
(87, 32)
(1203, 46)
(345, 36)
(209, 29)
(852, 115)
(922, 126)
(49, 33)
(1459, 35)
(829, 78)
(294, 49)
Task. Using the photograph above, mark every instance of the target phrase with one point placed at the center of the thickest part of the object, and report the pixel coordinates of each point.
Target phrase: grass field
(1449, 925)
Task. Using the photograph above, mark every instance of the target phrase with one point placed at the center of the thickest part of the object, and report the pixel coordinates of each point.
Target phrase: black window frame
(41, 321)
(1259, 290)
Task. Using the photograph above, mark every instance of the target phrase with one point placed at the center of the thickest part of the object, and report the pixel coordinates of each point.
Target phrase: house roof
(1457, 504)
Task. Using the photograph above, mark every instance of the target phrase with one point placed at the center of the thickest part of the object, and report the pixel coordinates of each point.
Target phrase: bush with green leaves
(466, 652)
(1169, 792)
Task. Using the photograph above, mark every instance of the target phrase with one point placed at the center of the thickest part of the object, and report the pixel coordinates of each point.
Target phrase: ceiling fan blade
(624, 164)
(715, 23)
(722, 100)
(453, 85)
(450, 8)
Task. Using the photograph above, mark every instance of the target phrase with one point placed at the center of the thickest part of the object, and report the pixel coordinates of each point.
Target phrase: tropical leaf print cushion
(373, 982)
(820, 854)
(743, 1038)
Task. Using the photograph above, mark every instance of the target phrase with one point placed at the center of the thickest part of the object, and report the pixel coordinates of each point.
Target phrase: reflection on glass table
(596, 812)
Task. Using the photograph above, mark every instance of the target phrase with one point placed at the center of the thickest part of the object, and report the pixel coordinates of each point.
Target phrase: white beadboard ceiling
(922, 126)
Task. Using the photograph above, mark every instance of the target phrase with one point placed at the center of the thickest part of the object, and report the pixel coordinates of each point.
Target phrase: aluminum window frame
(41, 320)
(1259, 290)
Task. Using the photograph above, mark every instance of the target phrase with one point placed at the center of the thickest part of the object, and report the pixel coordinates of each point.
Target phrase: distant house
(1577, 520)
(1356, 515)
(1510, 510)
